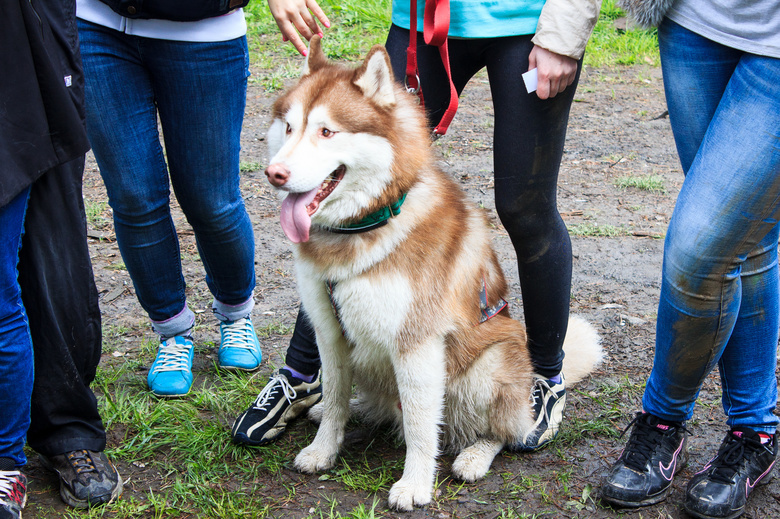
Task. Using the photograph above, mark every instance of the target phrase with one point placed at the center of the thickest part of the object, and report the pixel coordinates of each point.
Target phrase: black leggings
(527, 151)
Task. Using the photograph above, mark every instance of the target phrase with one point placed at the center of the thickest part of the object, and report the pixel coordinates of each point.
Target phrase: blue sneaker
(171, 372)
(239, 348)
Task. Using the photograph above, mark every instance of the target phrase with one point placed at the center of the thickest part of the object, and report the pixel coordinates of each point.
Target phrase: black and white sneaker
(745, 459)
(549, 399)
(281, 400)
(655, 452)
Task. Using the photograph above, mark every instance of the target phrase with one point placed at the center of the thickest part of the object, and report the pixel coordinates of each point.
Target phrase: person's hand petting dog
(555, 71)
(294, 18)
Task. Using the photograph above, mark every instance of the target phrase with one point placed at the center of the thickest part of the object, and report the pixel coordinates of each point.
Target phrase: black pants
(61, 300)
(302, 354)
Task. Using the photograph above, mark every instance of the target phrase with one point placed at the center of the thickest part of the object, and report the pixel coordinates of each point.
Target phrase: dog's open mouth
(325, 189)
(298, 208)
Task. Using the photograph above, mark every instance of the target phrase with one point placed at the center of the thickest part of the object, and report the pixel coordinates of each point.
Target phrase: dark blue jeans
(199, 92)
(16, 354)
(720, 288)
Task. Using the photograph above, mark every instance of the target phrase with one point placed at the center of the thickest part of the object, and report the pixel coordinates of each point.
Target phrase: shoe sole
(702, 516)
(73, 501)
(290, 414)
(239, 368)
(177, 395)
(638, 504)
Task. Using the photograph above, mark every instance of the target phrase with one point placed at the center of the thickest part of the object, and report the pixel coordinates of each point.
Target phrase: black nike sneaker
(655, 452)
(745, 459)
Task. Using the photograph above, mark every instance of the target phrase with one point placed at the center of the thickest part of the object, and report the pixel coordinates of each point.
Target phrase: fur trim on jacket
(646, 13)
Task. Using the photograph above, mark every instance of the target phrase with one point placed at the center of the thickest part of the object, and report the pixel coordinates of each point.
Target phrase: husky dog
(396, 272)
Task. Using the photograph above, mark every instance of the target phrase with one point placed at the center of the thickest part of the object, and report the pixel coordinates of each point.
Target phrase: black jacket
(41, 91)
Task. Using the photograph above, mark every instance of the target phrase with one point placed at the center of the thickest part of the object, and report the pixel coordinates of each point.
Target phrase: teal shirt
(478, 19)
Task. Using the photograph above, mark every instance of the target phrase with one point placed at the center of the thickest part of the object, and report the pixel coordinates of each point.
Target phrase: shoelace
(8, 488)
(730, 457)
(537, 395)
(643, 441)
(172, 356)
(279, 382)
(238, 334)
(82, 462)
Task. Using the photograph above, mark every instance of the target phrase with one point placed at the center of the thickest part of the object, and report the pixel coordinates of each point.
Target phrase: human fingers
(555, 71)
(315, 9)
(290, 20)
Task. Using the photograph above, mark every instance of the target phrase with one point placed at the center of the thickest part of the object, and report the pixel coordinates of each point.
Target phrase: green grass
(97, 213)
(610, 46)
(597, 231)
(652, 183)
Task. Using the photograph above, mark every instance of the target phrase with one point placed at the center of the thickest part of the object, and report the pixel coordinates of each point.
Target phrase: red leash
(436, 21)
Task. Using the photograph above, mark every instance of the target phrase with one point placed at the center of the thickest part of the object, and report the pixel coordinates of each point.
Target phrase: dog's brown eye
(325, 132)
(288, 130)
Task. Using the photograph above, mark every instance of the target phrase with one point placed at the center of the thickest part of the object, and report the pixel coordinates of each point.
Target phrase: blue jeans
(720, 288)
(199, 92)
(16, 353)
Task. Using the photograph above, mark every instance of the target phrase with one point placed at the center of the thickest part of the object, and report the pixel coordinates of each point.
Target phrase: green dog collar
(373, 221)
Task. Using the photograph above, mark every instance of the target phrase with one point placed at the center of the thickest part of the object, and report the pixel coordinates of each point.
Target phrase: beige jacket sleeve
(565, 26)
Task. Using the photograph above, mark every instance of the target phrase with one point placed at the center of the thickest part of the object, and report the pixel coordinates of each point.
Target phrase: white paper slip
(531, 79)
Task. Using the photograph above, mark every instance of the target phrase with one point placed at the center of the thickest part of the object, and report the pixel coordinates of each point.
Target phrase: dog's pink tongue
(296, 221)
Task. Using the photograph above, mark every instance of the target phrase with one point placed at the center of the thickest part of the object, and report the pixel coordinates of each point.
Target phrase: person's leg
(16, 361)
(302, 357)
(200, 90)
(747, 364)
(726, 208)
(718, 252)
(122, 126)
(528, 148)
(121, 117)
(16, 353)
(61, 299)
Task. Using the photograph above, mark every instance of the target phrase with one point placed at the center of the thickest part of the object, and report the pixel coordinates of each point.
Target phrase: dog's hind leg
(421, 375)
(474, 461)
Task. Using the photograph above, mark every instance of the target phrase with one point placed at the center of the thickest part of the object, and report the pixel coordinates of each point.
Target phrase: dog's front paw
(404, 495)
(314, 459)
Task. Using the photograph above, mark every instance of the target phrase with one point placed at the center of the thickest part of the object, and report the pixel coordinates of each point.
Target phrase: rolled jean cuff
(226, 312)
(179, 324)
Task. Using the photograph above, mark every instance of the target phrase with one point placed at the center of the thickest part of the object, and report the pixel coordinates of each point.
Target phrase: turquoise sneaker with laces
(239, 348)
(171, 372)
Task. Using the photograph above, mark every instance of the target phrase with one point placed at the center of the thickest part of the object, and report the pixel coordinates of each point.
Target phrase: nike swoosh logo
(749, 485)
(668, 471)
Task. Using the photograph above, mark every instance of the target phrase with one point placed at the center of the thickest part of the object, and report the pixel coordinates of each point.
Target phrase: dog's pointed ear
(375, 77)
(315, 58)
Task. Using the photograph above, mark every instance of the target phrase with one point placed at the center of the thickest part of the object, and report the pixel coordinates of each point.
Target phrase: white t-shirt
(219, 28)
(749, 25)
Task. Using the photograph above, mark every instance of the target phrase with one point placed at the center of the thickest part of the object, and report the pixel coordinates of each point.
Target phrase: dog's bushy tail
(583, 350)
